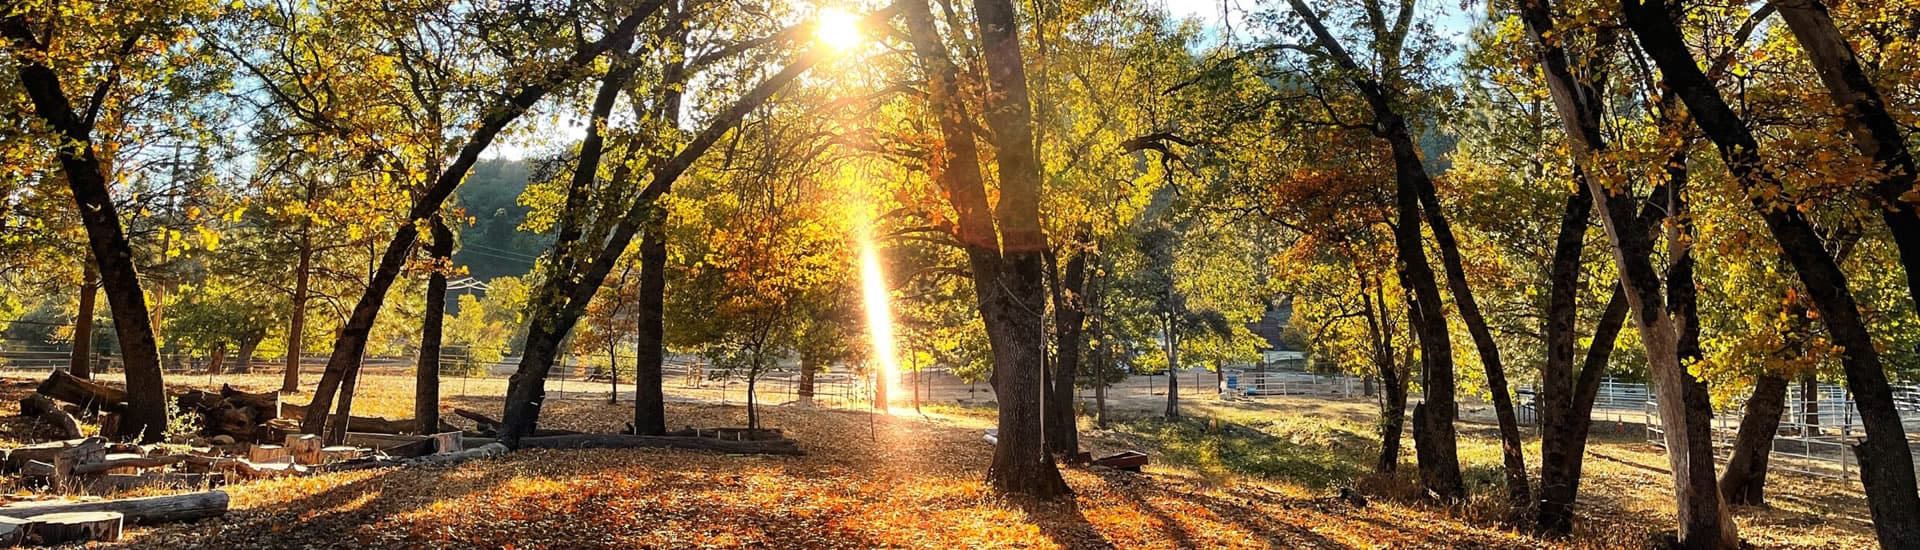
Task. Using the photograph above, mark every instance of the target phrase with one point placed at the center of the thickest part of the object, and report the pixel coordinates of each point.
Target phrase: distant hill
(494, 245)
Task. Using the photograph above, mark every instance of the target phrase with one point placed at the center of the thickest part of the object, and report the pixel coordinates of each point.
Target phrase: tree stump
(71, 527)
(305, 448)
(267, 453)
(448, 442)
(338, 453)
(91, 451)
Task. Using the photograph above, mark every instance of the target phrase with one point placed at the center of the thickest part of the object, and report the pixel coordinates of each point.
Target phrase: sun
(837, 29)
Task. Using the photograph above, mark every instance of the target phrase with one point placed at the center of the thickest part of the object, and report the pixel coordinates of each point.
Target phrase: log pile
(236, 414)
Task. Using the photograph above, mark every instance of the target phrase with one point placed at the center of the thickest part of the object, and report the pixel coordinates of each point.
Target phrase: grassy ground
(1231, 475)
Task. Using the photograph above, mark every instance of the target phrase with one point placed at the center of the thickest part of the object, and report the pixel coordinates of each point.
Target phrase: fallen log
(483, 451)
(119, 482)
(486, 426)
(140, 511)
(369, 424)
(83, 392)
(143, 462)
(43, 452)
(72, 527)
(622, 441)
(50, 413)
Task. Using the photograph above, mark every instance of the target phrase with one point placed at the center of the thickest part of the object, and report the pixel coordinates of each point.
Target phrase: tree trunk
(81, 363)
(526, 389)
(1886, 459)
(1744, 482)
(1519, 494)
(426, 384)
(1069, 316)
(649, 402)
(1173, 370)
(146, 415)
(804, 392)
(1562, 451)
(351, 342)
(244, 363)
(1875, 132)
(1007, 269)
(649, 399)
(297, 320)
(142, 511)
(1435, 441)
(217, 362)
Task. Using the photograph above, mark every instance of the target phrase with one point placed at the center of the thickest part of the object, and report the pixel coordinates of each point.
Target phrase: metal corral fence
(1816, 433)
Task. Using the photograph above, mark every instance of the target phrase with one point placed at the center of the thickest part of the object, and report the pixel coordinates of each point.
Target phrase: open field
(1263, 474)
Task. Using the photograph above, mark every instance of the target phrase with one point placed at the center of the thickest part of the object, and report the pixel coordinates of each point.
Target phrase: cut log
(72, 527)
(268, 453)
(35, 468)
(483, 451)
(305, 448)
(380, 441)
(622, 441)
(91, 451)
(114, 482)
(112, 465)
(368, 423)
(34, 404)
(257, 470)
(13, 531)
(339, 453)
(481, 422)
(268, 402)
(426, 445)
(140, 511)
(50, 413)
(83, 392)
(43, 452)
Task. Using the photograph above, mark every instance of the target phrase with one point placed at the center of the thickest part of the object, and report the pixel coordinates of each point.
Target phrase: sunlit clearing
(879, 316)
(837, 29)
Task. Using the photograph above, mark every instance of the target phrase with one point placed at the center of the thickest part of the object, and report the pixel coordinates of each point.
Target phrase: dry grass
(1239, 476)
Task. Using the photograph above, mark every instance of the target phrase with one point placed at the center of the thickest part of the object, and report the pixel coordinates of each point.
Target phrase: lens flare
(837, 29)
(873, 285)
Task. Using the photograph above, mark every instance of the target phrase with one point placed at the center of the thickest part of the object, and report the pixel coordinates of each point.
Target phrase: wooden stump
(305, 448)
(267, 453)
(91, 451)
(448, 442)
(71, 527)
(338, 453)
(13, 531)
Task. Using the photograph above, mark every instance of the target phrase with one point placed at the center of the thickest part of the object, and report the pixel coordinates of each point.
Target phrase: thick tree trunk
(1886, 460)
(1007, 268)
(146, 415)
(1069, 316)
(1555, 401)
(1875, 132)
(297, 319)
(244, 363)
(1562, 451)
(81, 363)
(1519, 494)
(426, 381)
(649, 399)
(1435, 441)
(804, 393)
(351, 342)
(1744, 482)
